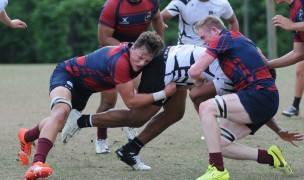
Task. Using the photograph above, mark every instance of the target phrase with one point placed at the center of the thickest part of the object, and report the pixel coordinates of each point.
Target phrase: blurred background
(60, 29)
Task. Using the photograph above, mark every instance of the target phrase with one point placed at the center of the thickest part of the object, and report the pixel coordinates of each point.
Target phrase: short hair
(151, 41)
(210, 21)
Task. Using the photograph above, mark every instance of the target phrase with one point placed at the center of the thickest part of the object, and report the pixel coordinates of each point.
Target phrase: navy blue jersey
(297, 15)
(103, 68)
(241, 61)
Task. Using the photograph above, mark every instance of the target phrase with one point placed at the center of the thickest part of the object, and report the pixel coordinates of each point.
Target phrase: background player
(16, 23)
(123, 21)
(190, 12)
(238, 114)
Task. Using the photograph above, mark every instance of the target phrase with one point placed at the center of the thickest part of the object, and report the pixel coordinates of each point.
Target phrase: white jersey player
(173, 64)
(192, 11)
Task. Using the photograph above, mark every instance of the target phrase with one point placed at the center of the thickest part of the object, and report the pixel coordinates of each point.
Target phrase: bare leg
(107, 101)
(202, 93)
(234, 150)
(50, 126)
(299, 86)
(173, 112)
(123, 117)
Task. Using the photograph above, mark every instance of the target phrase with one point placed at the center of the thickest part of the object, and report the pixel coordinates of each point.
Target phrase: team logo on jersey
(124, 20)
(148, 16)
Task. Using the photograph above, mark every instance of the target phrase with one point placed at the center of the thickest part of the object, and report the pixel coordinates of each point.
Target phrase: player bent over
(73, 82)
(171, 65)
(242, 113)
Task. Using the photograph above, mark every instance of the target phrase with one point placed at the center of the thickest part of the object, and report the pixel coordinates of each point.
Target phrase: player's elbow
(131, 104)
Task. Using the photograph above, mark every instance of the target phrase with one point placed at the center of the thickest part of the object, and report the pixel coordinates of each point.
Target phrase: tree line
(60, 29)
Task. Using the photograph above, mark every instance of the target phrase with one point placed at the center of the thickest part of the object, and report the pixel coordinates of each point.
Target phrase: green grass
(178, 153)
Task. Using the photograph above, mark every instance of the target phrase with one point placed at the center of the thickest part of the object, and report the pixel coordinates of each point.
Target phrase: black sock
(84, 121)
(296, 102)
(135, 145)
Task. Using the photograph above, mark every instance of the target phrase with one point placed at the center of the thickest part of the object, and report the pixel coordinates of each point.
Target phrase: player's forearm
(139, 100)
(5, 19)
(298, 26)
(286, 60)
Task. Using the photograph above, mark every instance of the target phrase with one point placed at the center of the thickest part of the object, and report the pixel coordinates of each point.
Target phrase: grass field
(178, 153)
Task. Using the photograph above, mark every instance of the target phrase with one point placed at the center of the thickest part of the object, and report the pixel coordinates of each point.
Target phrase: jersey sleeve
(219, 46)
(3, 4)
(227, 10)
(174, 6)
(120, 70)
(107, 14)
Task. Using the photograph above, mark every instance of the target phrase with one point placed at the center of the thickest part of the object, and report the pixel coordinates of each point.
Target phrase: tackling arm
(294, 56)
(199, 66)
(133, 100)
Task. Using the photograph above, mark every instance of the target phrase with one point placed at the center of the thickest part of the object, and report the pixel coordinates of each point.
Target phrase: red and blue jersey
(297, 15)
(128, 19)
(240, 61)
(103, 68)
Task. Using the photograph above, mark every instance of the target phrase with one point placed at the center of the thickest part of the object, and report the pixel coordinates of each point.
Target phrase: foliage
(65, 28)
(56, 31)
(258, 24)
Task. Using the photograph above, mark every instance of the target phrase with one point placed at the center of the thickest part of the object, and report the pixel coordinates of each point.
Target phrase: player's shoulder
(119, 52)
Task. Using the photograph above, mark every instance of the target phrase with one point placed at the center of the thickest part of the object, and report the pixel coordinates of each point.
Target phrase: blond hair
(209, 22)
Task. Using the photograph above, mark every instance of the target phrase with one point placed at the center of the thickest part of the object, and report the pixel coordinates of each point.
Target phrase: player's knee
(206, 107)
(176, 116)
(59, 116)
(299, 73)
(195, 97)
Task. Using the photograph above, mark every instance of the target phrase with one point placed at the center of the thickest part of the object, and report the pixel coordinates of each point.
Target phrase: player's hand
(170, 89)
(200, 80)
(283, 22)
(291, 136)
(165, 26)
(17, 23)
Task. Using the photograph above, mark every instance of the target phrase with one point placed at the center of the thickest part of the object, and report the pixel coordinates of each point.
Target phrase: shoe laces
(291, 109)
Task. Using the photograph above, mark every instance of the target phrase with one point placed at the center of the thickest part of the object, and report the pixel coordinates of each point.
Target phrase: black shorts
(152, 77)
